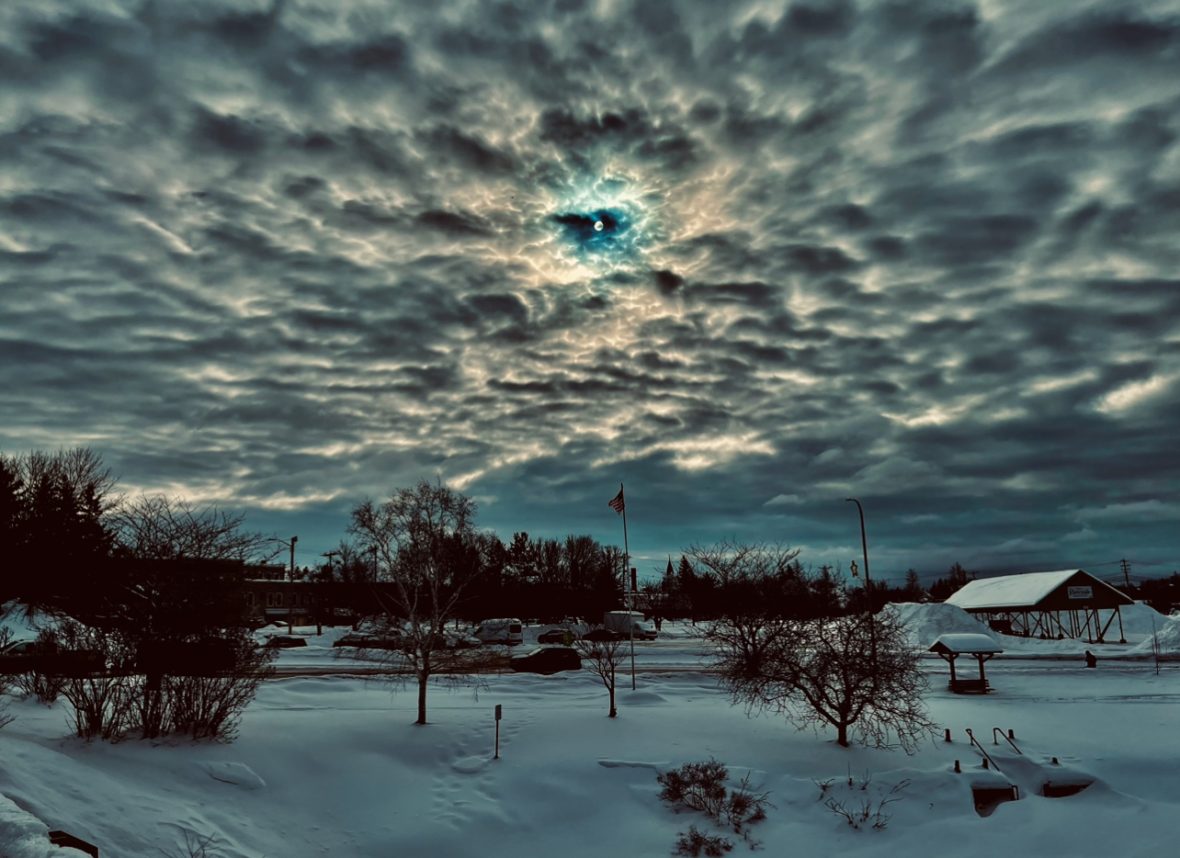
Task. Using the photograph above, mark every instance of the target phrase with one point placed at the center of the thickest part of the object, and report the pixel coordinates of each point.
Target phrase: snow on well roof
(1009, 591)
(965, 642)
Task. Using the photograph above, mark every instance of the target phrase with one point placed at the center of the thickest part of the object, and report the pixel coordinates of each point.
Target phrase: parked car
(507, 630)
(602, 635)
(26, 656)
(630, 623)
(556, 636)
(454, 640)
(547, 660)
(360, 640)
(18, 657)
(285, 641)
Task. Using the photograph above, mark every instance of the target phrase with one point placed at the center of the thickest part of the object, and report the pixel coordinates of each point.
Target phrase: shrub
(701, 787)
(694, 843)
(209, 707)
(864, 811)
(44, 687)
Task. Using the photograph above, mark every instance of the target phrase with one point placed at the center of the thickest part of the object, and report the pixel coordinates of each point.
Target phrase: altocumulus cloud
(280, 256)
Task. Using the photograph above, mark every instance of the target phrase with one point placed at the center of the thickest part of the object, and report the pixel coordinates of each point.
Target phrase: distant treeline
(62, 525)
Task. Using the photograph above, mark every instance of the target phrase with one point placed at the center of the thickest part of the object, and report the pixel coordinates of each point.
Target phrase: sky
(748, 259)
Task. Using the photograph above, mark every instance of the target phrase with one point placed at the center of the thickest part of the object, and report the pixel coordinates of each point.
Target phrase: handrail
(982, 749)
(1007, 739)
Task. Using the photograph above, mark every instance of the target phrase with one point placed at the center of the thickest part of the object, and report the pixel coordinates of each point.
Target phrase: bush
(5, 718)
(209, 707)
(863, 811)
(701, 787)
(45, 687)
(111, 703)
(694, 843)
(101, 701)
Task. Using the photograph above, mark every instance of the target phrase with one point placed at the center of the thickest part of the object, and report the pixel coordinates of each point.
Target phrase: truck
(629, 623)
(508, 630)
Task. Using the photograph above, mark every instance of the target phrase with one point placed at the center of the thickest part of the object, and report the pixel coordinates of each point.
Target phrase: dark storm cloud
(284, 255)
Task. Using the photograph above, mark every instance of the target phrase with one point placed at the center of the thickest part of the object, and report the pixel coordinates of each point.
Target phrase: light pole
(320, 594)
(864, 545)
(291, 573)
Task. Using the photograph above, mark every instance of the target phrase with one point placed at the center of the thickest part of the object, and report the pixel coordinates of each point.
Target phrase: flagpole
(627, 585)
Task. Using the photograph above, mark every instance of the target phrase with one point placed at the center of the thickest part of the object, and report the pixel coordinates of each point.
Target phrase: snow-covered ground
(332, 765)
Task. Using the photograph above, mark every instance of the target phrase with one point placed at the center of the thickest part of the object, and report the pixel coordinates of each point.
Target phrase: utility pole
(319, 601)
(291, 597)
(1126, 572)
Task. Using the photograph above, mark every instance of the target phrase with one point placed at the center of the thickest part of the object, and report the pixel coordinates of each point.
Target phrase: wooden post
(499, 714)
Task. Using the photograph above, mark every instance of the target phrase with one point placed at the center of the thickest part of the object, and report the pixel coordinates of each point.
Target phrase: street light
(864, 545)
(290, 596)
(319, 626)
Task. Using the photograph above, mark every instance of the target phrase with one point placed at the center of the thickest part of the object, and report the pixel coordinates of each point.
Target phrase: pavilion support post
(1105, 628)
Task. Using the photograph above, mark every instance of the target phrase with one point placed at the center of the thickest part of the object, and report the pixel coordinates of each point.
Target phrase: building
(1070, 603)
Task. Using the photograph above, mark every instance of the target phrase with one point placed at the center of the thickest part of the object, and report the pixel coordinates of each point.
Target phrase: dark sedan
(284, 642)
(556, 636)
(36, 656)
(547, 659)
(19, 657)
(361, 640)
(603, 635)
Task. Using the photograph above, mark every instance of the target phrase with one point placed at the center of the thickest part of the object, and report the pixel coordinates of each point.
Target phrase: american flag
(616, 503)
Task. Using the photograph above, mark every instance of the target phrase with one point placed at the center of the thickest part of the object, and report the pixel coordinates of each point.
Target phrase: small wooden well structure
(981, 647)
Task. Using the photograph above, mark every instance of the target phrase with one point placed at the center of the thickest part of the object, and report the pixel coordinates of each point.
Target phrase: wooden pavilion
(1070, 603)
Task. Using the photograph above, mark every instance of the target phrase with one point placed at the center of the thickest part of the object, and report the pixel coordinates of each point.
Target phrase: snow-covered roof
(965, 642)
(1009, 591)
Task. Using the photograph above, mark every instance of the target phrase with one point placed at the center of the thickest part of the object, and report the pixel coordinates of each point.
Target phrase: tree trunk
(842, 734)
(422, 680)
(613, 710)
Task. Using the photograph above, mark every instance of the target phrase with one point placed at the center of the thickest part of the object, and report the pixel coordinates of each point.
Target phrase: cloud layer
(285, 256)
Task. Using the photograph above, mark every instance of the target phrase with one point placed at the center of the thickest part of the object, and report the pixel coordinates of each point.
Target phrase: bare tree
(751, 580)
(603, 658)
(161, 528)
(857, 673)
(424, 539)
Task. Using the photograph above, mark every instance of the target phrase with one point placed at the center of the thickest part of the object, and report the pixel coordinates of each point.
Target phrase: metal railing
(986, 756)
(1007, 737)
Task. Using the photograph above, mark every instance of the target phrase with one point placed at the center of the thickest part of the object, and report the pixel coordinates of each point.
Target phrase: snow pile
(238, 774)
(23, 835)
(925, 622)
(1167, 637)
(1138, 621)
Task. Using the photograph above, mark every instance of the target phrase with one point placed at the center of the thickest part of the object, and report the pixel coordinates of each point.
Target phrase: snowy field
(333, 766)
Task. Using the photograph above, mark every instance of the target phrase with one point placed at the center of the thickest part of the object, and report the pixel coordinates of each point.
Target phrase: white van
(629, 623)
(502, 631)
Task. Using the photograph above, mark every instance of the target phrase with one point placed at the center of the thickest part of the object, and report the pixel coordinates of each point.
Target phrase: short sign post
(499, 715)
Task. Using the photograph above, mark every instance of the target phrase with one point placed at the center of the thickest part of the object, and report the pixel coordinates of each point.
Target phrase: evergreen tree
(913, 586)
